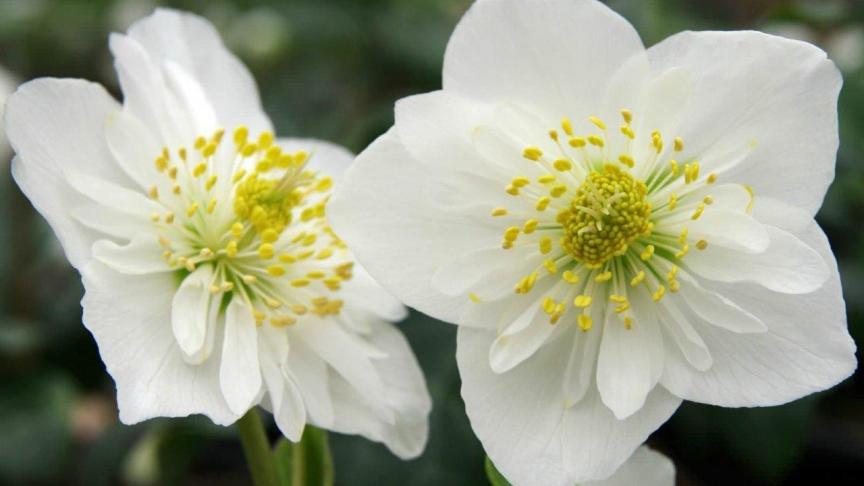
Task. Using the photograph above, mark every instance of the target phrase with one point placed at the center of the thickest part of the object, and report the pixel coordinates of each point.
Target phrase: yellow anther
(638, 278)
(562, 165)
(154, 192)
(172, 173)
(674, 286)
(673, 166)
(324, 254)
(200, 142)
(627, 115)
(548, 305)
(249, 279)
(577, 142)
(308, 240)
(582, 301)
(626, 160)
(182, 153)
(702, 244)
(189, 264)
(673, 272)
(570, 277)
(647, 253)
(248, 149)
(511, 233)
(161, 163)
(628, 323)
(698, 212)
(657, 141)
(752, 194)
(316, 274)
(683, 251)
(237, 230)
(526, 283)
(678, 145)
(474, 297)
(276, 270)
(240, 135)
(300, 157)
(205, 253)
(266, 251)
(597, 122)
(620, 308)
(658, 294)
(545, 245)
(265, 140)
(708, 199)
(191, 209)
(532, 153)
(270, 235)
(558, 190)
(176, 189)
(238, 175)
(546, 179)
(618, 299)
(211, 181)
(673, 201)
(155, 217)
(512, 190)
(209, 150)
(567, 126)
(520, 181)
(231, 249)
(603, 277)
(298, 308)
(550, 266)
(691, 172)
(263, 166)
(199, 169)
(259, 317)
(169, 217)
(596, 140)
(530, 226)
(211, 205)
(283, 321)
(682, 238)
(585, 322)
(711, 179)
(553, 134)
(542, 203)
(628, 132)
(272, 303)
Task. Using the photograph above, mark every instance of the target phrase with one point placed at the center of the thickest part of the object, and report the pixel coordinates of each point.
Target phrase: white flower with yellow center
(615, 229)
(213, 281)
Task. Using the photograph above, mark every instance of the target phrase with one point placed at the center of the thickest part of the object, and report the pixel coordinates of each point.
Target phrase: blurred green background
(333, 69)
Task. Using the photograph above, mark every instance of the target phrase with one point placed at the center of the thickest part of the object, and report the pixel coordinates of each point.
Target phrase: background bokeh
(333, 69)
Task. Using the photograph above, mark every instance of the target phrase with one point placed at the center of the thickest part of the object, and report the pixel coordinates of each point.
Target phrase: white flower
(615, 229)
(213, 281)
(646, 467)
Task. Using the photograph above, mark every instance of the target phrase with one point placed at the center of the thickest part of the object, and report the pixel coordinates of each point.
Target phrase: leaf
(306, 463)
(495, 477)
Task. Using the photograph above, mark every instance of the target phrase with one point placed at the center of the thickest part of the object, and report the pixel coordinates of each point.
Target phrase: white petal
(558, 55)
(140, 256)
(687, 339)
(510, 349)
(579, 374)
(130, 317)
(730, 229)
(311, 375)
(109, 221)
(363, 293)
(190, 309)
(337, 348)
(751, 99)
(404, 393)
(112, 195)
(526, 429)
(788, 265)
(240, 372)
(57, 125)
(291, 415)
(645, 467)
(273, 352)
(775, 212)
(718, 310)
(807, 347)
(134, 147)
(382, 212)
(194, 45)
(630, 360)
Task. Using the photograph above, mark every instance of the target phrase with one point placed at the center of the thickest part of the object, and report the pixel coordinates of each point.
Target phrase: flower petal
(328, 158)
(194, 45)
(646, 467)
(807, 347)
(718, 310)
(531, 53)
(777, 118)
(788, 265)
(382, 212)
(528, 431)
(630, 361)
(240, 371)
(312, 378)
(140, 256)
(54, 126)
(730, 229)
(510, 349)
(190, 309)
(129, 317)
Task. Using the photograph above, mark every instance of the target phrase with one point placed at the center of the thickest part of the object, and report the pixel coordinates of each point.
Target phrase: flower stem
(256, 448)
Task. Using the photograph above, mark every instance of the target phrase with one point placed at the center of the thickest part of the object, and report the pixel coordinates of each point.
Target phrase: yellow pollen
(647, 253)
(627, 115)
(154, 192)
(596, 140)
(530, 226)
(597, 122)
(553, 134)
(628, 132)
(499, 211)
(276, 270)
(609, 211)
(570, 277)
(577, 142)
(582, 301)
(567, 126)
(603, 277)
(265, 251)
(702, 244)
(562, 165)
(712, 178)
(627, 160)
(638, 278)
(658, 294)
(532, 153)
(585, 322)
(474, 297)
(550, 266)
(678, 145)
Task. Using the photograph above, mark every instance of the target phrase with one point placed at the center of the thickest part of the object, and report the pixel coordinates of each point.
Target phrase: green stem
(256, 448)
